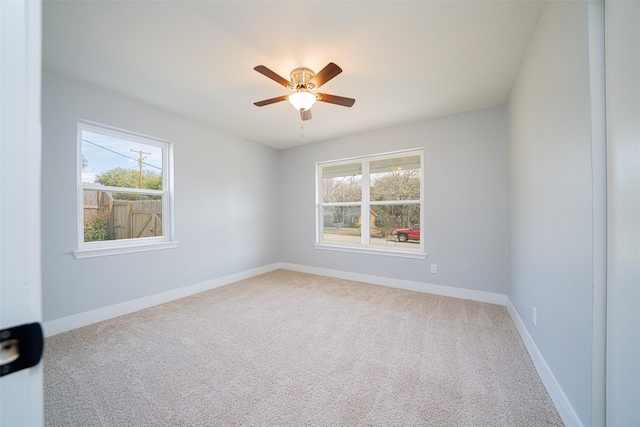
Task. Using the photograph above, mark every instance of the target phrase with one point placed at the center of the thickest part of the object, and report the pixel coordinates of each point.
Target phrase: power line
(120, 154)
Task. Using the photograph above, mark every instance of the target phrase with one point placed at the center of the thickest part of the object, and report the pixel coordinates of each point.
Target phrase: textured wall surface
(549, 209)
(465, 190)
(225, 203)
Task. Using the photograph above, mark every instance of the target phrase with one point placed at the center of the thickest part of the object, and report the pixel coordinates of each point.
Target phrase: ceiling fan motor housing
(300, 78)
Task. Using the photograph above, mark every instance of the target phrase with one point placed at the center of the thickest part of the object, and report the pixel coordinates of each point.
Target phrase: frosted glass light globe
(302, 100)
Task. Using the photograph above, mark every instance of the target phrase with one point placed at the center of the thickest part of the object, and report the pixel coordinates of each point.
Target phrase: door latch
(21, 347)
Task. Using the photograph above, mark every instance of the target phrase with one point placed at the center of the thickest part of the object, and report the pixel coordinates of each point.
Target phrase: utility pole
(140, 166)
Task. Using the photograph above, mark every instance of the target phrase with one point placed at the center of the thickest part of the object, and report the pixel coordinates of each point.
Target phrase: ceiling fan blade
(305, 114)
(270, 101)
(326, 74)
(334, 99)
(273, 76)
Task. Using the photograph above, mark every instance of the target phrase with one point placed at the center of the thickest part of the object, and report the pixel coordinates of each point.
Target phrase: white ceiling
(402, 61)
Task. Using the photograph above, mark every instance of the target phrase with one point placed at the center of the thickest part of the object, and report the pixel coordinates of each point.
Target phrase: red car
(405, 234)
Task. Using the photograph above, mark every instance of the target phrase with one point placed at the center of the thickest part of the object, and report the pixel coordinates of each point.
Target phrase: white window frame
(123, 246)
(365, 205)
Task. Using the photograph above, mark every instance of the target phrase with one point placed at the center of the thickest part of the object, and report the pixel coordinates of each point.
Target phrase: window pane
(395, 179)
(119, 162)
(341, 224)
(387, 219)
(342, 183)
(116, 216)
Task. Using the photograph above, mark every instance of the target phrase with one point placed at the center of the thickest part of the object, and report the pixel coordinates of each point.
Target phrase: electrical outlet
(434, 268)
(535, 317)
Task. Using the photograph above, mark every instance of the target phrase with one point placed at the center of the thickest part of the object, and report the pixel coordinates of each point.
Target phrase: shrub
(97, 228)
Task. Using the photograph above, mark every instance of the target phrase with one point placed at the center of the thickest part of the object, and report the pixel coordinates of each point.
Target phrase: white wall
(226, 204)
(553, 212)
(623, 141)
(465, 192)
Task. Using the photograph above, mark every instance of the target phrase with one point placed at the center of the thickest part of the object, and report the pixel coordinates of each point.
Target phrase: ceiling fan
(303, 82)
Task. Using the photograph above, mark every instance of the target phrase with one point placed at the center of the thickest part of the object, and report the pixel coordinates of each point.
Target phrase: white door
(20, 285)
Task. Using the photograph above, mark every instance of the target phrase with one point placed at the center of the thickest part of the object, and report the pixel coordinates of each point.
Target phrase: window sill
(371, 251)
(125, 249)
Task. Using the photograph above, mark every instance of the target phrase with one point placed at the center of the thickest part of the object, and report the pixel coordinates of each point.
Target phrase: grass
(346, 231)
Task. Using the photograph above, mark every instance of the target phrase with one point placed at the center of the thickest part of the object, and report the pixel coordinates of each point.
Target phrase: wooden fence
(128, 219)
(132, 219)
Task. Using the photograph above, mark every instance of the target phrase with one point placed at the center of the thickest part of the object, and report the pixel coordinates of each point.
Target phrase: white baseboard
(560, 400)
(448, 291)
(57, 326)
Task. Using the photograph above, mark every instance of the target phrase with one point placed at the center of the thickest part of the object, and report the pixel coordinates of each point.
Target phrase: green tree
(129, 178)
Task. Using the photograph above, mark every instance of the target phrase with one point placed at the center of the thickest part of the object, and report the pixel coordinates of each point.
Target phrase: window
(125, 201)
(371, 204)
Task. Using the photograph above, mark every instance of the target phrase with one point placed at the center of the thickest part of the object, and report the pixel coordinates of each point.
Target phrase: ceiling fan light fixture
(302, 100)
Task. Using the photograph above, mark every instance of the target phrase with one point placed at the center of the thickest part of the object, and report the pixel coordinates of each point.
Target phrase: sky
(103, 152)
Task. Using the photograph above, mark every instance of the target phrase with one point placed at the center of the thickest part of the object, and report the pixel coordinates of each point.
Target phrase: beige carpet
(294, 349)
